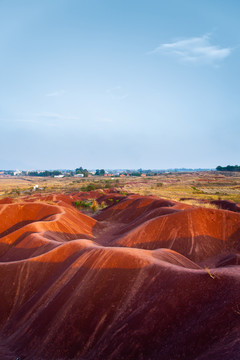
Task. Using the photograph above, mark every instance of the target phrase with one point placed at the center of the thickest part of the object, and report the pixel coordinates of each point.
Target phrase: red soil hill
(74, 287)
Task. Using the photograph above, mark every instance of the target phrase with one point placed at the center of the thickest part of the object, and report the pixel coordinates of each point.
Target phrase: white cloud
(195, 50)
(56, 93)
(105, 119)
(55, 116)
(117, 93)
(36, 122)
(29, 121)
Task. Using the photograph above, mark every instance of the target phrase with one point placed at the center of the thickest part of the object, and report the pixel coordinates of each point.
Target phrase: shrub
(82, 204)
(88, 187)
(108, 184)
(103, 205)
(197, 191)
(94, 205)
(77, 203)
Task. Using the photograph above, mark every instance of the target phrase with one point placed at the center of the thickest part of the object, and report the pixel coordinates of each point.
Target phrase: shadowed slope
(85, 301)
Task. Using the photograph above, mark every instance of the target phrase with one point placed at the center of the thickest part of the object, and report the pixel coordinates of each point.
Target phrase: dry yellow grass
(210, 273)
(200, 204)
(193, 188)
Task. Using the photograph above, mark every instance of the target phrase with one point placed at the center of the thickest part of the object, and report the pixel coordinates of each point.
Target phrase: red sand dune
(145, 278)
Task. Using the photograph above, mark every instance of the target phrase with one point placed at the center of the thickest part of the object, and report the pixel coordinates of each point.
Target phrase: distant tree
(8, 172)
(85, 173)
(56, 172)
(44, 173)
(82, 171)
(79, 170)
(100, 172)
(135, 173)
(228, 168)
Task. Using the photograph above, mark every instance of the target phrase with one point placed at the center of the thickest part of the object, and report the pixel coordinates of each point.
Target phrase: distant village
(81, 172)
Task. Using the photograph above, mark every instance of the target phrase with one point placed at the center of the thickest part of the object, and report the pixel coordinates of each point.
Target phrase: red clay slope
(74, 287)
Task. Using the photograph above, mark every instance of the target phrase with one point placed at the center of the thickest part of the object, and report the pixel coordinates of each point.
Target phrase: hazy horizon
(124, 84)
(114, 169)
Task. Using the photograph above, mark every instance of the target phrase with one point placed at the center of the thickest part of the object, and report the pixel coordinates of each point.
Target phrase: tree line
(228, 168)
(45, 173)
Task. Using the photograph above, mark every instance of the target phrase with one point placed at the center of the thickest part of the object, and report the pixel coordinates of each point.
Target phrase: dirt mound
(196, 233)
(226, 205)
(131, 207)
(110, 198)
(6, 200)
(26, 228)
(228, 260)
(124, 285)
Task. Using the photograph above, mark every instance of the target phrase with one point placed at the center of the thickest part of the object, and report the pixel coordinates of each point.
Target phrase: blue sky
(119, 84)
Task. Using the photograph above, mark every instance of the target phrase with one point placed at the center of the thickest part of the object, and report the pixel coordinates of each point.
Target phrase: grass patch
(83, 204)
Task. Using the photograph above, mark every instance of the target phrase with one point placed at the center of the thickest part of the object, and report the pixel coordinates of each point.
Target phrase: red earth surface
(144, 278)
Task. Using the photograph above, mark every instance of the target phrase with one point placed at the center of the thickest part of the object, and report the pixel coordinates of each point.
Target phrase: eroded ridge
(144, 278)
